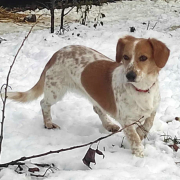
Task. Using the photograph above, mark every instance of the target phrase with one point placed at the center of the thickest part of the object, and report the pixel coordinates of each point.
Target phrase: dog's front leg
(135, 141)
(144, 129)
(106, 122)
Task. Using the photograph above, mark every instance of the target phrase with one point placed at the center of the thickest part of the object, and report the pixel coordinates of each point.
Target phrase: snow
(24, 134)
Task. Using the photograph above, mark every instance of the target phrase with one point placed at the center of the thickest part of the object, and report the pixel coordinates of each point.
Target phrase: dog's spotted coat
(126, 89)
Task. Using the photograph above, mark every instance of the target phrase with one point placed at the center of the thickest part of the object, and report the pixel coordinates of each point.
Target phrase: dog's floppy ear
(160, 52)
(120, 47)
(119, 50)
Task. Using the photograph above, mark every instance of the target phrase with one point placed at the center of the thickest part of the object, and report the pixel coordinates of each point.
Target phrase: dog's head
(142, 58)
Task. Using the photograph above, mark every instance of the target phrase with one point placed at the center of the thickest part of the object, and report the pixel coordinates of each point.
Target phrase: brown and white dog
(126, 89)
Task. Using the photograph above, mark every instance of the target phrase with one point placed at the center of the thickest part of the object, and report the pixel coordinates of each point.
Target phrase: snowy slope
(24, 134)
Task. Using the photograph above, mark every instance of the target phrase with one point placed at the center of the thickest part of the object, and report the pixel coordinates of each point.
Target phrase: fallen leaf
(174, 146)
(100, 153)
(33, 169)
(89, 157)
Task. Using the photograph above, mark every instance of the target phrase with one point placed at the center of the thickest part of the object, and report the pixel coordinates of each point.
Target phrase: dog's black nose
(131, 76)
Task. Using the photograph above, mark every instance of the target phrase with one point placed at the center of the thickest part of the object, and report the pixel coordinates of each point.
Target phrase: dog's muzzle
(131, 76)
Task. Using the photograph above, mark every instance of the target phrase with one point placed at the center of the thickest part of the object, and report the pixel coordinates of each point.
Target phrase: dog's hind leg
(50, 98)
(46, 111)
(53, 92)
(106, 122)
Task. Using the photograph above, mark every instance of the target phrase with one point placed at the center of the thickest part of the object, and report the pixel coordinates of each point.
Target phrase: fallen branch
(16, 162)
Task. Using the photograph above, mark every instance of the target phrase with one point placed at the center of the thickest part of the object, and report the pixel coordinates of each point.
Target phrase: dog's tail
(31, 94)
(36, 90)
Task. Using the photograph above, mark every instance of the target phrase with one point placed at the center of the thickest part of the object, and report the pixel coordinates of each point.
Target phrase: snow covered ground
(24, 134)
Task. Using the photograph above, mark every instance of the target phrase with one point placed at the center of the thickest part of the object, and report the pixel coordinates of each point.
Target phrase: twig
(43, 174)
(7, 85)
(2, 89)
(69, 11)
(122, 142)
(154, 25)
(15, 162)
(148, 25)
(42, 165)
(47, 7)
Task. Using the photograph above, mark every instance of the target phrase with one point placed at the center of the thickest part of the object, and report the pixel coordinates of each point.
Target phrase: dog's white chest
(132, 105)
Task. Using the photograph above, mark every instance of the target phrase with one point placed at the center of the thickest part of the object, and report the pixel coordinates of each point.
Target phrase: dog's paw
(50, 125)
(138, 152)
(112, 127)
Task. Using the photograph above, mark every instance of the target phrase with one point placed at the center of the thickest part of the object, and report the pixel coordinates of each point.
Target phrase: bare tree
(64, 5)
(52, 7)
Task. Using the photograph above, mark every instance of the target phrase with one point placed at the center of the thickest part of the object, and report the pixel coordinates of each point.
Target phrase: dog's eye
(126, 57)
(143, 58)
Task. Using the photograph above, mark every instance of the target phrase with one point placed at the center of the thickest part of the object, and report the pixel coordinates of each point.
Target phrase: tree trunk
(52, 19)
(52, 15)
(62, 20)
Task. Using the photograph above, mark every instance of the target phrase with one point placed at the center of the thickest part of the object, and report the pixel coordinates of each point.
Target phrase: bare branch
(69, 11)
(7, 85)
(15, 162)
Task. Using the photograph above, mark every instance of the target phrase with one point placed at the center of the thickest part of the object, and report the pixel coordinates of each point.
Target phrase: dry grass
(8, 16)
(173, 28)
